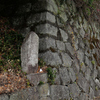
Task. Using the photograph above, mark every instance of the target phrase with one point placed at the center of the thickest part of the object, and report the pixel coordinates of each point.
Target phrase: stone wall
(68, 43)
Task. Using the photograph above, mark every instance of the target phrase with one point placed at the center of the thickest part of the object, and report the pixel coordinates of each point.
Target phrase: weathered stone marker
(29, 53)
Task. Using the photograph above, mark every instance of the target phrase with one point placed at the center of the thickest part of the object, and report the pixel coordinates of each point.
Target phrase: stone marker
(29, 53)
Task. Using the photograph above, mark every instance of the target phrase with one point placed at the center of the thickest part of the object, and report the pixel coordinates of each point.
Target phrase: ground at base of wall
(12, 80)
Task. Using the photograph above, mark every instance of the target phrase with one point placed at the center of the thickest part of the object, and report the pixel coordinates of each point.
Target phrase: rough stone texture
(47, 43)
(51, 58)
(83, 67)
(82, 33)
(46, 29)
(83, 96)
(81, 44)
(4, 97)
(97, 93)
(76, 43)
(36, 78)
(72, 74)
(91, 94)
(67, 61)
(29, 53)
(60, 45)
(75, 66)
(80, 55)
(26, 94)
(85, 25)
(74, 7)
(59, 92)
(64, 76)
(70, 48)
(64, 35)
(71, 22)
(97, 82)
(88, 74)
(92, 84)
(88, 63)
(82, 82)
(57, 79)
(69, 29)
(25, 31)
(74, 90)
(49, 5)
(44, 90)
(45, 98)
(94, 74)
(60, 22)
(63, 16)
(36, 18)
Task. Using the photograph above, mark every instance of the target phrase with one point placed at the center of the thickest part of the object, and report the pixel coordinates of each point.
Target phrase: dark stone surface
(36, 78)
(59, 92)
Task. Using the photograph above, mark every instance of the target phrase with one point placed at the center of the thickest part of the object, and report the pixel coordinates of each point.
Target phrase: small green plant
(82, 64)
(41, 63)
(90, 2)
(59, 12)
(41, 83)
(51, 75)
(75, 82)
(88, 11)
(93, 62)
(96, 88)
(28, 83)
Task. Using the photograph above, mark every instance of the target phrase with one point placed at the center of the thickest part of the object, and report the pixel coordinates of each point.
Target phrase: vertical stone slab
(29, 53)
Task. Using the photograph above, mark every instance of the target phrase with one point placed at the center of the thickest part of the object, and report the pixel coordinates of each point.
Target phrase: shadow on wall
(9, 7)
